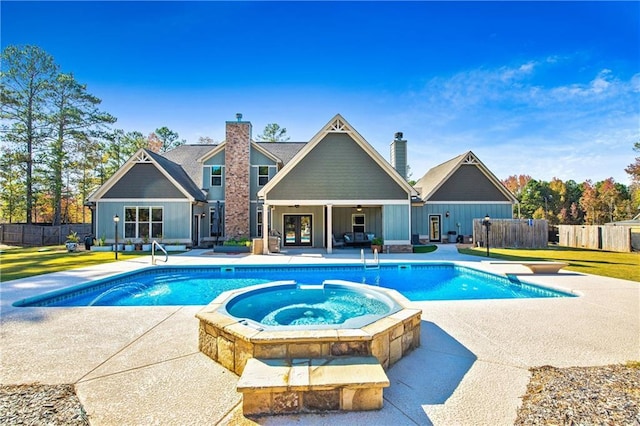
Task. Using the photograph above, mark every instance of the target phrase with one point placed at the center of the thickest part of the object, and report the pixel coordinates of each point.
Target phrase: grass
(597, 262)
(25, 262)
(424, 249)
(18, 263)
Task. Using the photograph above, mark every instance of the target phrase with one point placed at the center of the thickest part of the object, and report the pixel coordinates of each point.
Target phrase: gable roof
(172, 171)
(437, 176)
(337, 125)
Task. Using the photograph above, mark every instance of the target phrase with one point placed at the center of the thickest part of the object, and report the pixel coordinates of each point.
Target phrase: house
(455, 192)
(334, 185)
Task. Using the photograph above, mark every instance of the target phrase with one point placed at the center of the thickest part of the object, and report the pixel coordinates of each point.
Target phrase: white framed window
(216, 175)
(263, 175)
(358, 222)
(143, 222)
(259, 221)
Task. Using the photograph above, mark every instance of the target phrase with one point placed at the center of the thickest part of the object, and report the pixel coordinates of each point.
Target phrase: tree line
(570, 203)
(58, 147)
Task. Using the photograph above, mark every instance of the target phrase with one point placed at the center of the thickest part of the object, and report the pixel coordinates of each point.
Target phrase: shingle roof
(285, 151)
(187, 157)
(182, 161)
(436, 175)
(179, 174)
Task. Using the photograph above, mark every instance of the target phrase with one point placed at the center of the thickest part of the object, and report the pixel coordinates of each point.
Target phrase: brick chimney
(237, 172)
(399, 154)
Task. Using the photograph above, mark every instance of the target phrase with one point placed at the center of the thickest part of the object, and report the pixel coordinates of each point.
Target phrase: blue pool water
(166, 285)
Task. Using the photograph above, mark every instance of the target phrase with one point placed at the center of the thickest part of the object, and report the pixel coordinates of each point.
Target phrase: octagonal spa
(285, 320)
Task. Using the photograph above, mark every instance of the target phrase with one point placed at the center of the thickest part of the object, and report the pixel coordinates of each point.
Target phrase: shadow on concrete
(429, 375)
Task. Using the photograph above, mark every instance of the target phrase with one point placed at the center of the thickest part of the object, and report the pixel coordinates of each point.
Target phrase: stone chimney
(399, 154)
(237, 173)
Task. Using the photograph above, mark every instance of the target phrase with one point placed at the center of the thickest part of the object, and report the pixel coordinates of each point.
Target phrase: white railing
(153, 252)
(376, 260)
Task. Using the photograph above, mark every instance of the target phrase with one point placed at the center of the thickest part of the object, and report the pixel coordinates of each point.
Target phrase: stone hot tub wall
(231, 342)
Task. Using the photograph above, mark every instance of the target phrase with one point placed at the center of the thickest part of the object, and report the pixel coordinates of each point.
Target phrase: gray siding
(342, 220)
(144, 180)
(258, 158)
(458, 213)
(396, 222)
(337, 168)
(176, 219)
(468, 183)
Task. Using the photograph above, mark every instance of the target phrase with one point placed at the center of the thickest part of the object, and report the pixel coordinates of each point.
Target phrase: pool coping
(471, 368)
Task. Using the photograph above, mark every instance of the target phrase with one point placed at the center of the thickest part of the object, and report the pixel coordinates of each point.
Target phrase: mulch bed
(608, 395)
(37, 404)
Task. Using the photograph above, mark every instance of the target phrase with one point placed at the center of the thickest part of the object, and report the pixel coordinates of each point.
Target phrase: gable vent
(339, 126)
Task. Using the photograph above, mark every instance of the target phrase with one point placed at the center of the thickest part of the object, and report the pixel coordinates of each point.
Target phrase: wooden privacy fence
(40, 235)
(513, 233)
(599, 237)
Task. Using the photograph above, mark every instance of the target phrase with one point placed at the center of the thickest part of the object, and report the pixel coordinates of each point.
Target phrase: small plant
(377, 241)
(145, 239)
(100, 241)
(73, 237)
(237, 242)
(129, 242)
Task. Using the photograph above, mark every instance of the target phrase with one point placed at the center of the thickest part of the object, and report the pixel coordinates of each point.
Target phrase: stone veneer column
(237, 174)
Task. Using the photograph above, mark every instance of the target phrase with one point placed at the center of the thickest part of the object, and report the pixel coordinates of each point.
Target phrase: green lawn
(25, 262)
(597, 262)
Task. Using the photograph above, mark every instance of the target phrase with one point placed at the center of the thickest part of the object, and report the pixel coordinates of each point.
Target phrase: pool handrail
(376, 260)
(153, 252)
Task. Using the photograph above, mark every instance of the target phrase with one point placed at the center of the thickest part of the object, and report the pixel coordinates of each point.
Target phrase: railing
(153, 252)
(376, 260)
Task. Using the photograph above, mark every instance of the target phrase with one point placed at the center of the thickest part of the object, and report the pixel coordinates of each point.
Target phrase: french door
(298, 230)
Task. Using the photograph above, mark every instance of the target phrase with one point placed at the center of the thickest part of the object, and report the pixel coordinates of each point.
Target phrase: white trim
(338, 125)
(140, 157)
(435, 203)
(214, 151)
(143, 200)
(338, 203)
(397, 242)
(469, 158)
(222, 175)
(266, 153)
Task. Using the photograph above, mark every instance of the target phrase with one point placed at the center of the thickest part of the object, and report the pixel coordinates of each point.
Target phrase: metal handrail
(376, 260)
(153, 252)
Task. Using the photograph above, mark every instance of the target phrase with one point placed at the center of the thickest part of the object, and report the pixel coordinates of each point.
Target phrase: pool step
(310, 385)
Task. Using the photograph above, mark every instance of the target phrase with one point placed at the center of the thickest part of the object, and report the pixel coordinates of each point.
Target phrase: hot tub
(286, 320)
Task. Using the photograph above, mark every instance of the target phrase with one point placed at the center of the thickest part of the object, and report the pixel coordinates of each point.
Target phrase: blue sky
(546, 89)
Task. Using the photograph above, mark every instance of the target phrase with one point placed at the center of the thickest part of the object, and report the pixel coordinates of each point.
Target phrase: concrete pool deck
(141, 365)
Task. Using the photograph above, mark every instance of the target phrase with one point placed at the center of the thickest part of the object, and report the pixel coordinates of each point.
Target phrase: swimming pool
(189, 285)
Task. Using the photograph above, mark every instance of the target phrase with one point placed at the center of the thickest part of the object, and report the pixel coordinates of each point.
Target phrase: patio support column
(266, 219)
(329, 235)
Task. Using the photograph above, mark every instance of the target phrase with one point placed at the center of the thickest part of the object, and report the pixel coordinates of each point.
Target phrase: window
(263, 175)
(143, 222)
(357, 223)
(259, 222)
(216, 175)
